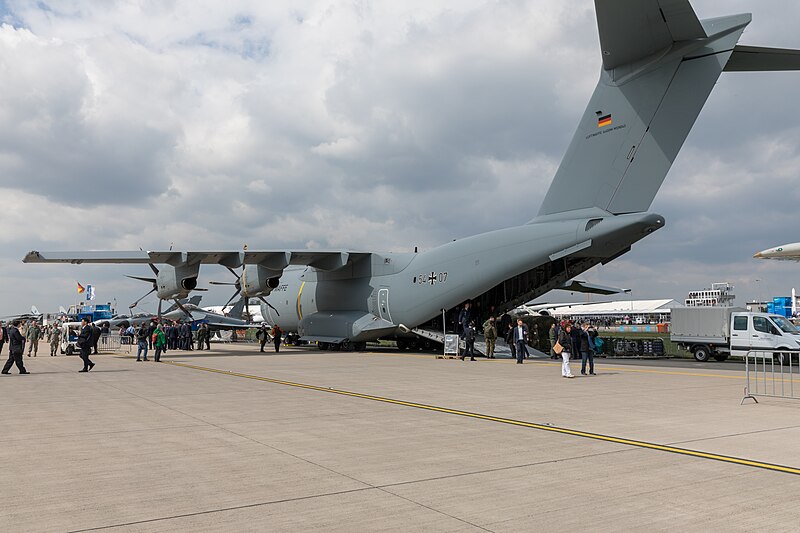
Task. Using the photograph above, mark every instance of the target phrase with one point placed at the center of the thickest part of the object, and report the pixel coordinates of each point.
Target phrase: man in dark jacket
(172, 337)
(96, 334)
(521, 340)
(263, 336)
(469, 341)
(85, 345)
(15, 349)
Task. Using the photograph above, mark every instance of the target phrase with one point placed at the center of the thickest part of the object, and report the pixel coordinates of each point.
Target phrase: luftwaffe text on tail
(659, 65)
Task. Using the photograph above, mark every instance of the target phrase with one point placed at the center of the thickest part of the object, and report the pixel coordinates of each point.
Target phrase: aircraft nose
(758, 255)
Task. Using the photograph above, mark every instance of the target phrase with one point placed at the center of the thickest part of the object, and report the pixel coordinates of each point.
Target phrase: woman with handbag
(565, 348)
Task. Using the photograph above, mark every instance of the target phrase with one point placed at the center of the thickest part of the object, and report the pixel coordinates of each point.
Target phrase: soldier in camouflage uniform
(55, 340)
(33, 335)
(490, 333)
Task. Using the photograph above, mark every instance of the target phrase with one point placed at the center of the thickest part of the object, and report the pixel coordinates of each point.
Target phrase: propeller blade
(134, 304)
(231, 283)
(232, 271)
(153, 268)
(247, 308)
(148, 280)
(198, 289)
(235, 294)
(160, 301)
(182, 308)
(269, 304)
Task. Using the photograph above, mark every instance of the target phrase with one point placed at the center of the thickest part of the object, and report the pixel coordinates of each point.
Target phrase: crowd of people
(568, 340)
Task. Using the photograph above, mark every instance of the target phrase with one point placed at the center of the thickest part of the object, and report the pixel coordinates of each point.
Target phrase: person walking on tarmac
(469, 340)
(16, 348)
(85, 345)
(55, 341)
(490, 334)
(521, 340)
(141, 339)
(160, 343)
(276, 337)
(510, 340)
(568, 348)
(33, 335)
(263, 336)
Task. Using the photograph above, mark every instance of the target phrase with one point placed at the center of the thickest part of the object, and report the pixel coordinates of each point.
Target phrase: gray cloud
(359, 125)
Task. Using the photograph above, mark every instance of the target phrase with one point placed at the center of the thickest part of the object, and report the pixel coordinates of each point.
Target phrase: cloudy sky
(370, 125)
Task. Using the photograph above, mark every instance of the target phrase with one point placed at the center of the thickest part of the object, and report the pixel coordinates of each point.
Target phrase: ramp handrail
(771, 373)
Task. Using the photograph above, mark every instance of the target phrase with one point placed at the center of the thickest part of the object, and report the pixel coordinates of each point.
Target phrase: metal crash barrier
(113, 343)
(771, 374)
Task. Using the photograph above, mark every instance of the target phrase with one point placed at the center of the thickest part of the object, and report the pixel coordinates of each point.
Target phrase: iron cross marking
(432, 278)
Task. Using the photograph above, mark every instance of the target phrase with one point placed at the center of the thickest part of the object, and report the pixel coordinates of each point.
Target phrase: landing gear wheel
(346, 346)
(360, 346)
(323, 346)
(402, 345)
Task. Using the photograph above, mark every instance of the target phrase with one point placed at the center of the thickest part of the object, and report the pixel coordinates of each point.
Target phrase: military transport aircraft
(659, 65)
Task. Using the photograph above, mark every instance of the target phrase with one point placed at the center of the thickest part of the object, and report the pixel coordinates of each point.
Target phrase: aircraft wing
(328, 260)
(590, 288)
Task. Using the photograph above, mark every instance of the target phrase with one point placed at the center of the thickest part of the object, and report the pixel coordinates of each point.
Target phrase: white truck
(720, 332)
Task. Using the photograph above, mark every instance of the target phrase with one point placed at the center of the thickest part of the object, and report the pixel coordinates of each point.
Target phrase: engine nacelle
(176, 282)
(259, 281)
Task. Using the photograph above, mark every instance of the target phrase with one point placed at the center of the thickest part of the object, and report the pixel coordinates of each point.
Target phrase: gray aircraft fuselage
(384, 292)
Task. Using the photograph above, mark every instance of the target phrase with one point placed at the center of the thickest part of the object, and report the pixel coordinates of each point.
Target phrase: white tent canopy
(621, 307)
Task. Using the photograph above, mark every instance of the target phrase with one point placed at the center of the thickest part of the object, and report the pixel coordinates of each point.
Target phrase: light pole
(758, 294)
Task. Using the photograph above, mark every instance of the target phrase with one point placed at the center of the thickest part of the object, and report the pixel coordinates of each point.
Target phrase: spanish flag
(81, 288)
(604, 121)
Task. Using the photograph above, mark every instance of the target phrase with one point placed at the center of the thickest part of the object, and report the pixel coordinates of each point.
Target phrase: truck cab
(759, 331)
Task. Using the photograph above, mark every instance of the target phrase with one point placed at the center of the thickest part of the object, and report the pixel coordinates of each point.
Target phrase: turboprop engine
(176, 282)
(257, 280)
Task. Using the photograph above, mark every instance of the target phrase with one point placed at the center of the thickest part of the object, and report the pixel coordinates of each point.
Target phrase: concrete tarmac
(234, 440)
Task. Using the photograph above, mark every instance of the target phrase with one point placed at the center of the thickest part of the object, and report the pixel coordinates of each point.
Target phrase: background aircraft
(35, 314)
(659, 65)
(787, 252)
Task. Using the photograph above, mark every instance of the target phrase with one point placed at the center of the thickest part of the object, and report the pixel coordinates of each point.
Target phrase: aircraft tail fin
(660, 64)
(237, 310)
(195, 300)
(35, 310)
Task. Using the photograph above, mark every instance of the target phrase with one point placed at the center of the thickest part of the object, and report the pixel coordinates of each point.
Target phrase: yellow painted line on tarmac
(520, 423)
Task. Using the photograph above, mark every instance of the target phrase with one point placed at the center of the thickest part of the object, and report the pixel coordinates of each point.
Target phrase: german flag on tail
(604, 121)
(81, 288)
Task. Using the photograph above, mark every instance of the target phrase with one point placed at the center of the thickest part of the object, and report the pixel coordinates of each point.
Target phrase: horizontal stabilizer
(634, 29)
(759, 59)
(590, 288)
